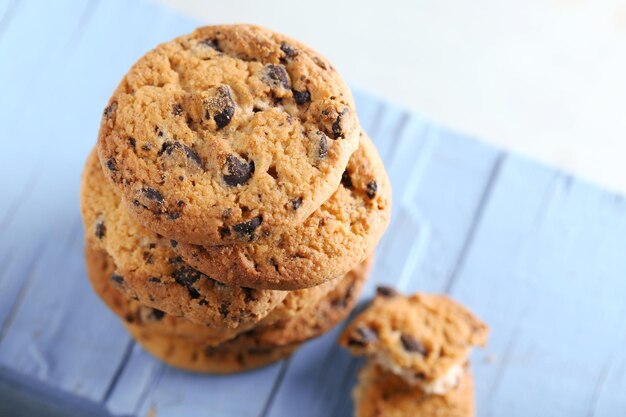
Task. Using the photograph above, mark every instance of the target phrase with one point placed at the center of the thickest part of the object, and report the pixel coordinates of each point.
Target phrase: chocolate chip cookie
(261, 346)
(380, 393)
(195, 356)
(100, 269)
(423, 338)
(334, 239)
(314, 320)
(229, 134)
(149, 270)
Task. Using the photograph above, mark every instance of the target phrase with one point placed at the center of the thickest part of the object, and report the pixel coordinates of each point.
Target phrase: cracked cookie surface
(380, 393)
(151, 272)
(423, 338)
(230, 134)
(333, 240)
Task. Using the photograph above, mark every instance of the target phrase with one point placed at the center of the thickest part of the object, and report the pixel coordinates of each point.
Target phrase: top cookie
(226, 135)
(423, 338)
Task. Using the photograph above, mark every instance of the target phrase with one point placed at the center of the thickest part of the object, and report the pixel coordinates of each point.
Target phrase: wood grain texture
(536, 253)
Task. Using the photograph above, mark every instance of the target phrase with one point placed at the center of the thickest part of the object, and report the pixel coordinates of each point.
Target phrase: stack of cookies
(232, 201)
(417, 350)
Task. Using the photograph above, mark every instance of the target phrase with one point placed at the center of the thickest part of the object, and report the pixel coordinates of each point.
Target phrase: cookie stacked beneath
(232, 200)
(417, 348)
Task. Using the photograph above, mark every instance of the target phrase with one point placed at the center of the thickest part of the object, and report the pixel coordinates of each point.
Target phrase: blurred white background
(543, 77)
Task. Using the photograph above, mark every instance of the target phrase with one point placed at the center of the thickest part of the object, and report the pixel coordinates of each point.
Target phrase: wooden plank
(62, 334)
(138, 376)
(27, 397)
(179, 393)
(20, 219)
(545, 270)
(23, 84)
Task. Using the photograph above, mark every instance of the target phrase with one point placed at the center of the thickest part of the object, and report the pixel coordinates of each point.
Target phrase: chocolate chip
(173, 243)
(346, 181)
(111, 165)
(337, 129)
(177, 109)
(301, 97)
(338, 302)
(155, 314)
(249, 295)
(371, 188)
(320, 63)
(174, 215)
(203, 302)
(224, 117)
(323, 147)
(289, 51)
(276, 76)
(147, 256)
(211, 43)
(100, 229)
(384, 291)
(221, 105)
(150, 199)
(238, 171)
(224, 308)
(152, 194)
(273, 262)
(295, 204)
(410, 344)
(132, 142)
(171, 148)
(118, 279)
(224, 232)
(155, 280)
(245, 230)
(175, 260)
(318, 149)
(362, 336)
(187, 276)
(109, 111)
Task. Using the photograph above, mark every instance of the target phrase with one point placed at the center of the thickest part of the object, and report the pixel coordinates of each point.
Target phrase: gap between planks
(478, 216)
(8, 15)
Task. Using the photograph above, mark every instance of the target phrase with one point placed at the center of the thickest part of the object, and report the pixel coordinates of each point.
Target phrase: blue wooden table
(537, 254)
